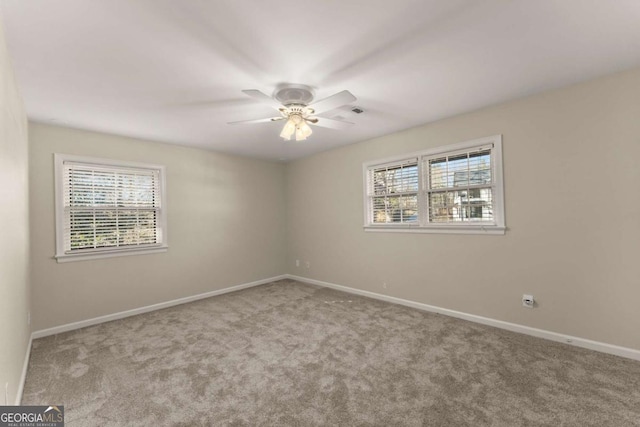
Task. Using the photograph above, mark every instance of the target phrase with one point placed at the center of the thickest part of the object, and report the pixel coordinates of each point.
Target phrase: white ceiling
(173, 71)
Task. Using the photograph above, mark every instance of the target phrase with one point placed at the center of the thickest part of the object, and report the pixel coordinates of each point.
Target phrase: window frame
(497, 226)
(96, 253)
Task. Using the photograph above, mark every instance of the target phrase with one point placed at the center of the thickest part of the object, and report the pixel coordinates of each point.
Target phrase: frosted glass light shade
(305, 129)
(288, 130)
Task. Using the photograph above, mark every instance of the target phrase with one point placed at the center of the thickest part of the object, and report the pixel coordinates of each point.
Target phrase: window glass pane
(457, 171)
(405, 179)
(441, 206)
(461, 206)
(128, 227)
(480, 168)
(461, 170)
(478, 171)
(478, 205)
(103, 188)
(380, 210)
(81, 230)
(409, 208)
(380, 182)
(438, 173)
(135, 190)
(147, 227)
(396, 179)
(105, 229)
(395, 209)
(81, 188)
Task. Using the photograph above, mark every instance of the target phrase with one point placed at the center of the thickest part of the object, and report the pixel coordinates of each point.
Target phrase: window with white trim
(394, 192)
(452, 189)
(108, 208)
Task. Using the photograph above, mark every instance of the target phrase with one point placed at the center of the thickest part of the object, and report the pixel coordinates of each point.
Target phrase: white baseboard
(121, 315)
(23, 376)
(514, 327)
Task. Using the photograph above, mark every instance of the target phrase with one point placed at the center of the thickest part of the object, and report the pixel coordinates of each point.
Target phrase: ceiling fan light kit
(293, 103)
(297, 116)
(296, 124)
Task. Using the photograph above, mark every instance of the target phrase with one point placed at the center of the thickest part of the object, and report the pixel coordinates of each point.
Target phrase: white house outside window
(108, 208)
(452, 189)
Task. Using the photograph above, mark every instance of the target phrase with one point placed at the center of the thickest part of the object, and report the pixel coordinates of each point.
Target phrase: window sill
(469, 229)
(109, 254)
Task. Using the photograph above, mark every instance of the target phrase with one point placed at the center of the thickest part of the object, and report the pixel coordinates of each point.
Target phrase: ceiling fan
(293, 101)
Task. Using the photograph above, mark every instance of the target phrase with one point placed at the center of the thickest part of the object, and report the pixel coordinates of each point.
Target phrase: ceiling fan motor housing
(289, 94)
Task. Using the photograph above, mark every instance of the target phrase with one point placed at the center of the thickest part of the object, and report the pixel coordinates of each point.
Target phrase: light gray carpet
(290, 354)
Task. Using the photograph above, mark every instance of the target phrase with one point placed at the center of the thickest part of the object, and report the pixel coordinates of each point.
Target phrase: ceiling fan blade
(331, 123)
(262, 97)
(247, 122)
(333, 102)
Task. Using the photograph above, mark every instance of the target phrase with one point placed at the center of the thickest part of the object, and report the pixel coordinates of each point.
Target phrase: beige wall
(14, 236)
(225, 227)
(572, 190)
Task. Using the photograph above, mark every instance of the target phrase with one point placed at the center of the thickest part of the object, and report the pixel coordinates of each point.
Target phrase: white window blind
(107, 207)
(452, 189)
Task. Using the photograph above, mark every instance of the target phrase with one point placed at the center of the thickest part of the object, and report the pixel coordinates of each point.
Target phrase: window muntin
(457, 188)
(105, 207)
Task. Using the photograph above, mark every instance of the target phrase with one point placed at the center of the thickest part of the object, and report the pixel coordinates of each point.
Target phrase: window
(452, 189)
(108, 208)
(394, 195)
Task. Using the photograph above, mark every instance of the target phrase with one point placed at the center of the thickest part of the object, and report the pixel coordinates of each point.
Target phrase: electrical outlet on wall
(528, 301)
(28, 318)
(297, 263)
